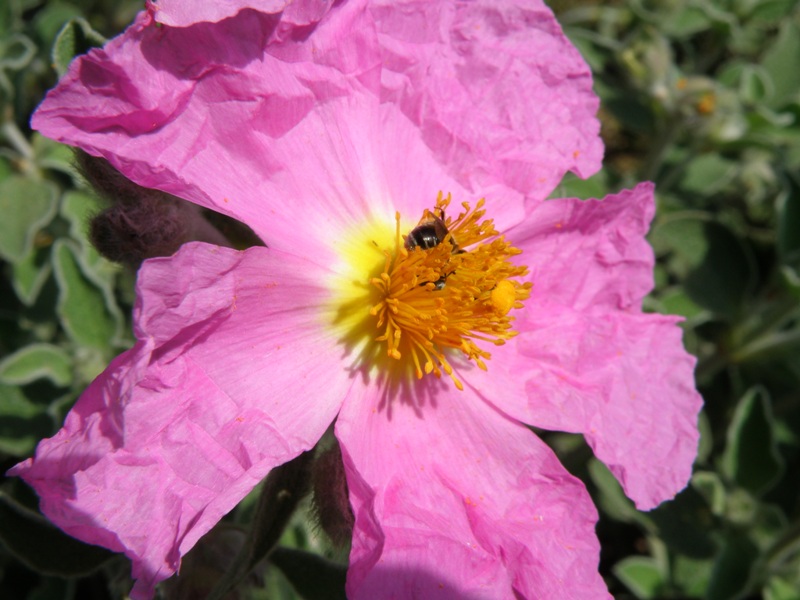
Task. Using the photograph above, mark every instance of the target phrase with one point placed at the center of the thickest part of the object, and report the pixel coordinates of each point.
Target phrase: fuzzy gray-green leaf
(26, 205)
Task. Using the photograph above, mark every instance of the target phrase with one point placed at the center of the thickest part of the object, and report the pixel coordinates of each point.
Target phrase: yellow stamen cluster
(450, 295)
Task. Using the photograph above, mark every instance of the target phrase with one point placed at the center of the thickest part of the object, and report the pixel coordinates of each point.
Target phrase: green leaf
(22, 423)
(595, 55)
(780, 588)
(710, 487)
(707, 174)
(314, 577)
(732, 568)
(751, 457)
(572, 186)
(81, 306)
(690, 575)
(706, 445)
(632, 113)
(781, 61)
(790, 278)
(16, 52)
(768, 524)
(49, 154)
(27, 206)
(52, 17)
(611, 497)
(8, 13)
(76, 37)
(755, 84)
(30, 274)
(37, 361)
(730, 73)
(34, 541)
(641, 575)
(772, 11)
(78, 208)
(717, 269)
(684, 524)
(675, 301)
(789, 224)
(686, 21)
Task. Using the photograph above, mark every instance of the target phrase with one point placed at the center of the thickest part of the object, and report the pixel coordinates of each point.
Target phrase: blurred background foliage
(701, 97)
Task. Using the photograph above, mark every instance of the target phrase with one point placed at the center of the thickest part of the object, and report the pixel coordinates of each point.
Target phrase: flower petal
(589, 253)
(181, 13)
(590, 361)
(210, 113)
(497, 89)
(412, 177)
(454, 500)
(255, 118)
(623, 380)
(232, 375)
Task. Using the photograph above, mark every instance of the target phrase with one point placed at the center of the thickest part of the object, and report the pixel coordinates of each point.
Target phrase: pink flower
(315, 126)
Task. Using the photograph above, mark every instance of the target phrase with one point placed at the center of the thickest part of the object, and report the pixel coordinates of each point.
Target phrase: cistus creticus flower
(334, 130)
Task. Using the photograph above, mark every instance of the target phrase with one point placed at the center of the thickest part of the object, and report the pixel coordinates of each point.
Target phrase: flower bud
(331, 501)
(141, 223)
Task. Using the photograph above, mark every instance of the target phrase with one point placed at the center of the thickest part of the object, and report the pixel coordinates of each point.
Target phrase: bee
(428, 234)
(440, 283)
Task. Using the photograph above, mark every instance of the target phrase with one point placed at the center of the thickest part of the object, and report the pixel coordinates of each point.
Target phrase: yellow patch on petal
(423, 293)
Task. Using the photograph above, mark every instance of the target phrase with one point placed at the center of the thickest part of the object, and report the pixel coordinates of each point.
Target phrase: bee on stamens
(440, 283)
(428, 234)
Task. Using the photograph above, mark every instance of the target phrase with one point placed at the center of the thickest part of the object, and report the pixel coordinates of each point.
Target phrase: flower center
(446, 284)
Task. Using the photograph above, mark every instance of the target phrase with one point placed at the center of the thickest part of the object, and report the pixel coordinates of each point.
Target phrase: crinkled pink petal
(210, 112)
(232, 375)
(182, 13)
(497, 89)
(586, 359)
(452, 499)
(625, 382)
(408, 179)
(256, 112)
(589, 253)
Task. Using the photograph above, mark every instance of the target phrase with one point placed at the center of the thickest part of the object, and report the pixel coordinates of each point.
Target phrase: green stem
(282, 491)
(709, 366)
(314, 577)
(15, 138)
(774, 344)
(782, 550)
